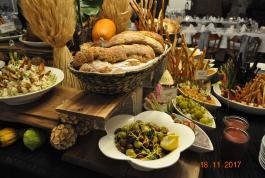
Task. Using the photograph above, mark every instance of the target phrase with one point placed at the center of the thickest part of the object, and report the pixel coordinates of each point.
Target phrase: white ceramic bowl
(107, 144)
(2, 64)
(209, 106)
(200, 137)
(204, 126)
(34, 44)
(33, 96)
(215, 70)
(237, 105)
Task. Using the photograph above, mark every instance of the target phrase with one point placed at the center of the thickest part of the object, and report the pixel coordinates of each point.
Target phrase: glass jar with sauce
(234, 143)
(236, 121)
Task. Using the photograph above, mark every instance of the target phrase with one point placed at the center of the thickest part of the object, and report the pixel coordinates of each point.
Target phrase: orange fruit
(104, 28)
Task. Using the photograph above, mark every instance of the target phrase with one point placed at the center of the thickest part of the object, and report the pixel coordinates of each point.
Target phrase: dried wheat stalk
(119, 11)
(54, 21)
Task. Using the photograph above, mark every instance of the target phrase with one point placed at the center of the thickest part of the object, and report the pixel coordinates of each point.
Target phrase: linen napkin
(203, 28)
(243, 29)
(211, 27)
(230, 30)
(191, 28)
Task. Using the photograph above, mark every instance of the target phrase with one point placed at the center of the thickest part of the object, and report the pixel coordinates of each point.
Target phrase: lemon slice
(170, 142)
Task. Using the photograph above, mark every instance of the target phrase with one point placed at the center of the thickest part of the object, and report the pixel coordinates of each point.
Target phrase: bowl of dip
(236, 121)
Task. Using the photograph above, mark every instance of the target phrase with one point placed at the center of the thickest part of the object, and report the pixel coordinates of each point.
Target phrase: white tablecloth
(227, 35)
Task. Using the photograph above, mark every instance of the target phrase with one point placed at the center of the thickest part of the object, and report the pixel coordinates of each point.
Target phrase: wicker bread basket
(117, 83)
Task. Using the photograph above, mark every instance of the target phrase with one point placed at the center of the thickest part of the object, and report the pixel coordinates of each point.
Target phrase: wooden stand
(43, 113)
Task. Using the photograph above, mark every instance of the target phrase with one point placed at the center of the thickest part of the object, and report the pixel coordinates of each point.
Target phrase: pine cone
(84, 127)
(63, 136)
(73, 120)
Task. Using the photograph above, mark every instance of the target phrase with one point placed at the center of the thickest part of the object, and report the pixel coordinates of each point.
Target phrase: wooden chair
(233, 46)
(253, 49)
(213, 45)
(214, 42)
(195, 39)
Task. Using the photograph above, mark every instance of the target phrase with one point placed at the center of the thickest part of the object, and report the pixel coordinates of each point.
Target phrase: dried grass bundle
(119, 11)
(53, 21)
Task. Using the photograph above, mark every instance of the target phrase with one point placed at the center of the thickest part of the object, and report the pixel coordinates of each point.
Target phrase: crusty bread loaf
(134, 37)
(114, 54)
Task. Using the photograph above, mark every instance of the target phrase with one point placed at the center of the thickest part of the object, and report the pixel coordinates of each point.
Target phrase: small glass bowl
(236, 121)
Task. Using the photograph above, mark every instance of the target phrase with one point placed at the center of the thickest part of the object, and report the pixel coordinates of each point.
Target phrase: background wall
(177, 4)
(8, 3)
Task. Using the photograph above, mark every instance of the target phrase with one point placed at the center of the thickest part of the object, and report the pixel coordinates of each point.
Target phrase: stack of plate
(262, 153)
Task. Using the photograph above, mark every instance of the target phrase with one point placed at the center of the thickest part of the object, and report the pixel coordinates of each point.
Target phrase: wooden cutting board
(41, 113)
(92, 106)
(87, 154)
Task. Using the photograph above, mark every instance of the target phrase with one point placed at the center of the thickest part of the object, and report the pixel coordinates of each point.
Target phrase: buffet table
(47, 162)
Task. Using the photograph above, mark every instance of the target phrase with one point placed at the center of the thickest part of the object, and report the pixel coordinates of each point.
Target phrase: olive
(131, 139)
(129, 146)
(164, 130)
(122, 134)
(130, 152)
(136, 150)
(146, 144)
(141, 139)
(143, 152)
(155, 139)
(140, 156)
(152, 157)
(147, 151)
(117, 130)
(157, 129)
(122, 149)
(126, 128)
(160, 136)
(135, 127)
(123, 142)
(150, 146)
(137, 144)
(136, 132)
(145, 128)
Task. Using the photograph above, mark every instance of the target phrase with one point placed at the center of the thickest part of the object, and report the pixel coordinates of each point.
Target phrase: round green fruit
(33, 139)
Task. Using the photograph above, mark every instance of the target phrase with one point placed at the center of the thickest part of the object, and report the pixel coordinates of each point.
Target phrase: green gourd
(33, 138)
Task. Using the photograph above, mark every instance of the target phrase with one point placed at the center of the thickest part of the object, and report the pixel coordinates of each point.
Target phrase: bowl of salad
(22, 82)
(150, 140)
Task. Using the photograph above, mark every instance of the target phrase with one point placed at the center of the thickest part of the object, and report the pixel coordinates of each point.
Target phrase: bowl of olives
(150, 140)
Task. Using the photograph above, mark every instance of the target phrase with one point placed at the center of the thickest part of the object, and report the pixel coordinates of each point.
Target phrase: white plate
(107, 145)
(34, 44)
(200, 138)
(211, 65)
(6, 38)
(206, 105)
(33, 96)
(262, 164)
(215, 71)
(259, 65)
(211, 60)
(204, 126)
(237, 105)
(2, 64)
